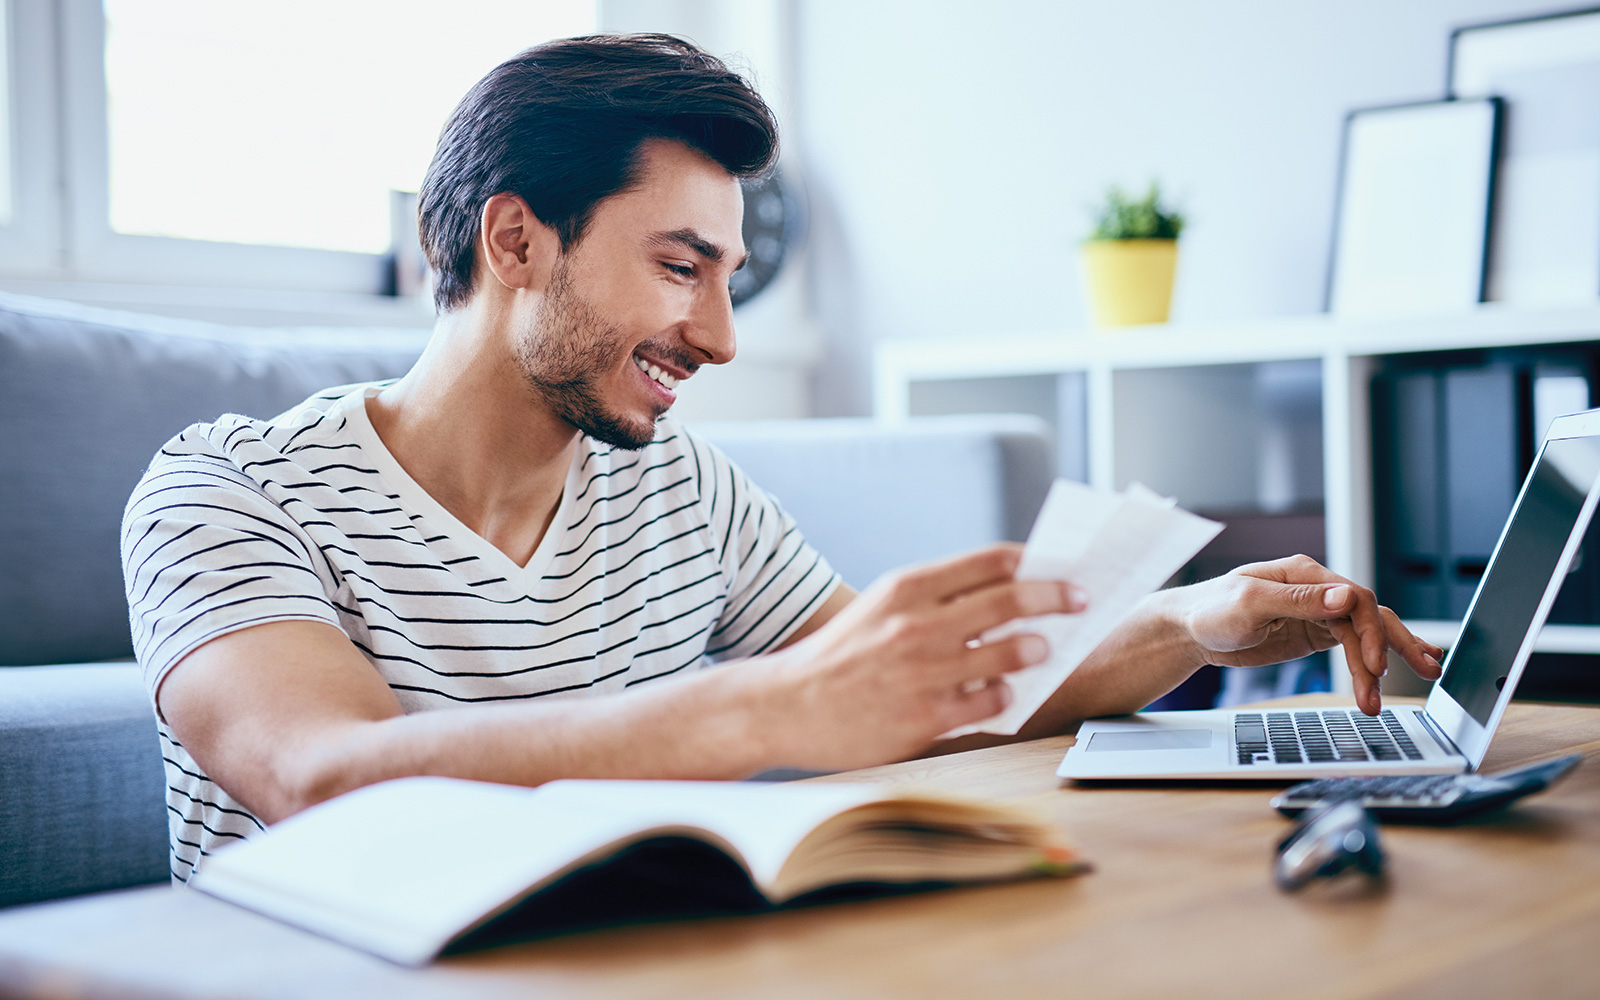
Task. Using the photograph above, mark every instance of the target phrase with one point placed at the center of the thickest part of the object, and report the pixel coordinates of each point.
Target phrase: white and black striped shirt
(657, 561)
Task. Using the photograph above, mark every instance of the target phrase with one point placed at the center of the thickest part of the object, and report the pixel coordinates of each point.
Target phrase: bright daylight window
(287, 123)
(5, 118)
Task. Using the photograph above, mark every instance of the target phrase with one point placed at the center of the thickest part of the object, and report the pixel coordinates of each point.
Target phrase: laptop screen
(1514, 585)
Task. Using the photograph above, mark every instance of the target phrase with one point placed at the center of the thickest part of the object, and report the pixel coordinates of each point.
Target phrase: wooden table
(1180, 905)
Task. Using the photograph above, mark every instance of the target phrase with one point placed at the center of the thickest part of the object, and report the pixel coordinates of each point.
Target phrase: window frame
(31, 243)
(98, 253)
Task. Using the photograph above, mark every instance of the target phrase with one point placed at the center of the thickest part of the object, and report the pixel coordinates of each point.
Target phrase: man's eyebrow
(699, 244)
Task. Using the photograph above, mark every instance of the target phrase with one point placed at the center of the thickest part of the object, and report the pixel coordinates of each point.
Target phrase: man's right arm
(286, 714)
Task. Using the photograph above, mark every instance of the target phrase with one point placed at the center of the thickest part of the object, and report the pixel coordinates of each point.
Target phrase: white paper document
(1118, 547)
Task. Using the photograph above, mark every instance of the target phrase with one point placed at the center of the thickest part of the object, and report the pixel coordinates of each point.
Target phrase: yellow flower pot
(1130, 281)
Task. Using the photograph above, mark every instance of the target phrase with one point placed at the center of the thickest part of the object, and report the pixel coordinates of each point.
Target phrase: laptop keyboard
(1320, 736)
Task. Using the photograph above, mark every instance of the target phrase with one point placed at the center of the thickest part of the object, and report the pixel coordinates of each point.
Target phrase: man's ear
(516, 248)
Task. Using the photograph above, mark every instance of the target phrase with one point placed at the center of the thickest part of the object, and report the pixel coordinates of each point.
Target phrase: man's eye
(681, 270)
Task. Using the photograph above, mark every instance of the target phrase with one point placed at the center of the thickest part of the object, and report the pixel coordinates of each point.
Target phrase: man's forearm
(288, 714)
(707, 725)
(1147, 656)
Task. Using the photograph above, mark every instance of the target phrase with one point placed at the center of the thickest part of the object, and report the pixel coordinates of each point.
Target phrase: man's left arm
(1259, 614)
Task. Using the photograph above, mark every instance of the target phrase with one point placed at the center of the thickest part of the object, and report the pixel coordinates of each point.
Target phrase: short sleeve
(775, 579)
(205, 553)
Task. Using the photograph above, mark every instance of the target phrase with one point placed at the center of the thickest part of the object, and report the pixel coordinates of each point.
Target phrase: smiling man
(509, 565)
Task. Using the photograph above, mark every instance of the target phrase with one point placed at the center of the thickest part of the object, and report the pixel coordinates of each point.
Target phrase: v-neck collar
(419, 501)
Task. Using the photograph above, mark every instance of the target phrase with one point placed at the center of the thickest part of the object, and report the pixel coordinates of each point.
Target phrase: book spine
(1481, 471)
(1408, 502)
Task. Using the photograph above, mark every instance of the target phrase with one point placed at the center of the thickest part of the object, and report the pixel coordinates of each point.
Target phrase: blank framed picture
(1416, 185)
(1545, 248)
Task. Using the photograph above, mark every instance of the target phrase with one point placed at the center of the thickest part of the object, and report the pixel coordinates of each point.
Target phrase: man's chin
(627, 435)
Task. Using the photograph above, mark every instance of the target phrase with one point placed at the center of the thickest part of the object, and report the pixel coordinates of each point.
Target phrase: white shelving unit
(1259, 415)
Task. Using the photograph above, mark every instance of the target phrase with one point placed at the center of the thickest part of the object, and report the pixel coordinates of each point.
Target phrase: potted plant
(1130, 259)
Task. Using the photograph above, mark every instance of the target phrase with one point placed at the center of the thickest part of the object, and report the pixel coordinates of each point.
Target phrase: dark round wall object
(774, 223)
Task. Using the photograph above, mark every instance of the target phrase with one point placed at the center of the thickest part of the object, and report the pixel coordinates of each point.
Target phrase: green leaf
(1122, 217)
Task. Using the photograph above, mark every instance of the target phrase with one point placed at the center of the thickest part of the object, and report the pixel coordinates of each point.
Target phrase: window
(5, 123)
(244, 145)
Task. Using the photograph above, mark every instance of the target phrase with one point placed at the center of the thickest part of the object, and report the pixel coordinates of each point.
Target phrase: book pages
(1118, 547)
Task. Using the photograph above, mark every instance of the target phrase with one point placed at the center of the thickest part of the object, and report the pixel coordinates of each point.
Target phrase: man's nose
(710, 328)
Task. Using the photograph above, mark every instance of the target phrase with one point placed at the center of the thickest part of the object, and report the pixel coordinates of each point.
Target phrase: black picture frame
(1440, 184)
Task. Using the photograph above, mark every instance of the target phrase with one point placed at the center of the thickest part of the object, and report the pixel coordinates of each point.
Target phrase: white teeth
(655, 372)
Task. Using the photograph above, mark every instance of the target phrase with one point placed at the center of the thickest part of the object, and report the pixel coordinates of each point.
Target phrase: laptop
(1450, 733)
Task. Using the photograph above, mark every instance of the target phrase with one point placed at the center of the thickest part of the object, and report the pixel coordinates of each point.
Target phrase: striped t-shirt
(657, 561)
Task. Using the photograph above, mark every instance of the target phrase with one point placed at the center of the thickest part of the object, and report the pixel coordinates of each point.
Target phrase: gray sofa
(88, 395)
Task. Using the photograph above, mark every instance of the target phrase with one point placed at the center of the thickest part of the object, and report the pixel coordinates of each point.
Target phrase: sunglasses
(1329, 840)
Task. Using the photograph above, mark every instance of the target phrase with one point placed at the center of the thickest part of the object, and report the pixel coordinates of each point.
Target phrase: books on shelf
(1452, 441)
(410, 868)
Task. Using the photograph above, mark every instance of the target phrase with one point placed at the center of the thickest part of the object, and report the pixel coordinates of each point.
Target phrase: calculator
(1427, 798)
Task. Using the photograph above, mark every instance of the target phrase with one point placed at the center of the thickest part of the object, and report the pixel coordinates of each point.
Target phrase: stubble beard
(566, 352)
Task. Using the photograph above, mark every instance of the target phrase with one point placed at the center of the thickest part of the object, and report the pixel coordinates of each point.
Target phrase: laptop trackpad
(1158, 739)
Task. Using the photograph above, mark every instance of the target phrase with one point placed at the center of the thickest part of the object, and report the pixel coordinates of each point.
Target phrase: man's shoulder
(238, 454)
(238, 439)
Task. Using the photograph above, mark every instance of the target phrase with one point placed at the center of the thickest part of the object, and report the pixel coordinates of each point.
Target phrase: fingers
(1329, 597)
(950, 578)
(990, 660)
(1378, 630)
(1363, 682)
(1357, 605)
(976, 702)
(1366, 649)
(1351, 614)
(1422, 657)
(977, 612)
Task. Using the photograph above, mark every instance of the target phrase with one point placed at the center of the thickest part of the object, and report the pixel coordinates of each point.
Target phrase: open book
(409, 868)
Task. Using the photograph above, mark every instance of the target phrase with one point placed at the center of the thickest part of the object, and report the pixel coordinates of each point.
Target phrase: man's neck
(465, 426)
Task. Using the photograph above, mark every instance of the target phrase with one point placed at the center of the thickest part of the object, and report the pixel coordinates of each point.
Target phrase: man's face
(641, 301)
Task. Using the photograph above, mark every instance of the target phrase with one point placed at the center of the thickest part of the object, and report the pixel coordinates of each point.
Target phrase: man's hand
(1269, 612)
(894, 669)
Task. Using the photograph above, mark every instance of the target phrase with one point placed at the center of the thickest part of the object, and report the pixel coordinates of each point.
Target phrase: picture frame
(1545, 248)
(1414, 208)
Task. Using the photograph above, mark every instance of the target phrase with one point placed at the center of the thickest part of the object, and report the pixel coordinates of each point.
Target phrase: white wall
(952, 149)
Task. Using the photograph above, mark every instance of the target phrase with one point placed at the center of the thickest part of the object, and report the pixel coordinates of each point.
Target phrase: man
(421, 577)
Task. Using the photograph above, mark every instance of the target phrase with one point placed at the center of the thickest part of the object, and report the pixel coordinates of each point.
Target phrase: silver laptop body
(1448, 734)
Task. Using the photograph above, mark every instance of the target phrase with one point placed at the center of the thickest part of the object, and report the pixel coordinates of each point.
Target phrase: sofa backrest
(87, 396)
(875, 496)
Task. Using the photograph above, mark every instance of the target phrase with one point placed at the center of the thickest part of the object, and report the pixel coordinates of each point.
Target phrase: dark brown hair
(561, 125)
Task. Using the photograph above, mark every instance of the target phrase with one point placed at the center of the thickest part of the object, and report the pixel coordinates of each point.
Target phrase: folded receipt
(1117, 547)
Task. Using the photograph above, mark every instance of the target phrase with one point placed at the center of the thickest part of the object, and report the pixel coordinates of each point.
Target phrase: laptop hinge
(1445, 743)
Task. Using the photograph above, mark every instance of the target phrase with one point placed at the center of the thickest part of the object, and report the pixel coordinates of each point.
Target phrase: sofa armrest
(81, 780)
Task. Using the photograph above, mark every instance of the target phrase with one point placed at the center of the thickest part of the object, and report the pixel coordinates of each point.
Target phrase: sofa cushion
(80, 781)
(86, 397)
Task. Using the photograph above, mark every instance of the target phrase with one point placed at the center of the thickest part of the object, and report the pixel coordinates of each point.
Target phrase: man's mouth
(655, 372)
